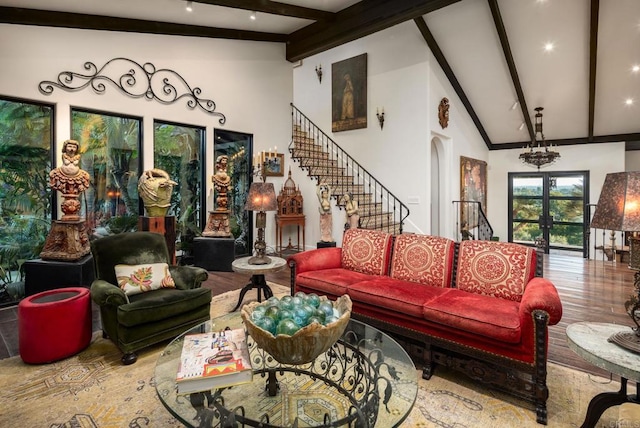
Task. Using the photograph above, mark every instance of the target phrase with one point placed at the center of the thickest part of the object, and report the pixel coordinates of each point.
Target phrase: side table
(289, 220)
(590, 340)
(257, 276)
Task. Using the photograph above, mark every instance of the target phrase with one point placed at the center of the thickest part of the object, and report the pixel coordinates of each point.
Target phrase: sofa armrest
(321, 258)
(104, 293)
(541, 294)
(187, 277)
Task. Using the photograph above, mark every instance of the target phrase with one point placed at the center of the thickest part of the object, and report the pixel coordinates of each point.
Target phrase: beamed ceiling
(579, 59)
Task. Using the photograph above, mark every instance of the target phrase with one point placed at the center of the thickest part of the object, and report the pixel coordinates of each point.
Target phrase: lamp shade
(619, 204)
(262, 197)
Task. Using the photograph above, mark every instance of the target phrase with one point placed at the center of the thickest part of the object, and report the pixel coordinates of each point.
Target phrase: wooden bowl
(307, 343)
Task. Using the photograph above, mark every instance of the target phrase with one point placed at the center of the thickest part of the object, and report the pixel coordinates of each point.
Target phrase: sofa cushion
(391, 294)
(366, 251)
(161, 304)
(424, 259)
(498, 269)
(331, 281)
(475, 313)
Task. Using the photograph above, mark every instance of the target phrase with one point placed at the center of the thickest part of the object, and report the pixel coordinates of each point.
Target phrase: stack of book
(213, 360)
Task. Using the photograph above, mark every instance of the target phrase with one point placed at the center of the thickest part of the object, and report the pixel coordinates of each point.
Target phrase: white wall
(250, 82)
(598, 159)
(404, 79)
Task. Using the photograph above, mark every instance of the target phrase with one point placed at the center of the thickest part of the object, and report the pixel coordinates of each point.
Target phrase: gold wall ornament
(443, 112)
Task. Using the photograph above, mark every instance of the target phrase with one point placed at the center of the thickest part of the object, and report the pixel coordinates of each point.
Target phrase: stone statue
(70, 180)
(351, 208)
(326, 220)
(221, 182)
(155, 187)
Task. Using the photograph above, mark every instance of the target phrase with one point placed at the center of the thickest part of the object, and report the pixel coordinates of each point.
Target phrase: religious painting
(349, 94)
(473, 188)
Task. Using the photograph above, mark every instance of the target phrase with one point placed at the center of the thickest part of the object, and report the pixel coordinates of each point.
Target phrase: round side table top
(241, 265)
(590, 340)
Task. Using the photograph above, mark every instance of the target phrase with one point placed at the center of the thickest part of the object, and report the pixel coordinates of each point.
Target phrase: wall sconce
(319, 72)
(380, 117)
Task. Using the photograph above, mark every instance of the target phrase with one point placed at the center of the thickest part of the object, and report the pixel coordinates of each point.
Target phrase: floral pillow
(135, 279)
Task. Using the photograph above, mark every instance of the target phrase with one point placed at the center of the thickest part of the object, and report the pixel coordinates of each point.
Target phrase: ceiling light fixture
(513, 107)
(628, 101)
(541, 156)
(635, 68)
(521, 126)
(252, 16)
(548, 47)
(189, 7)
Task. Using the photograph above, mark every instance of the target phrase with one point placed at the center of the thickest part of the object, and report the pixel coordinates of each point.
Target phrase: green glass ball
(326, 307)
(288, 327)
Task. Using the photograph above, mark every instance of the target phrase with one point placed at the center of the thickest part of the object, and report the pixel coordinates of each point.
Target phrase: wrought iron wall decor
(163, 85)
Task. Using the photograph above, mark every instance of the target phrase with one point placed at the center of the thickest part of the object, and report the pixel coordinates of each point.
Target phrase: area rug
(93, 389)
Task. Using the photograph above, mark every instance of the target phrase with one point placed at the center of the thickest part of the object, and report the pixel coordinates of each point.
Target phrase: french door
(551, 206)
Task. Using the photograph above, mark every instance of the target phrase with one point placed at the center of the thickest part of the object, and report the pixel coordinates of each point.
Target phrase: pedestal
(283, 221)
(67, 241)
(163, 225)
(214, 254)
(217, 225)
(42, 275)
(322, 244)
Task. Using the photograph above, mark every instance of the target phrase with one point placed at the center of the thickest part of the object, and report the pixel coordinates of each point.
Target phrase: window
(26, 131)
(111, 154)
(180, 151)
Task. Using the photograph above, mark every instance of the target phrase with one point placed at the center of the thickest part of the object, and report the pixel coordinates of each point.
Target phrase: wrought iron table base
(258, 282)
(604, 400)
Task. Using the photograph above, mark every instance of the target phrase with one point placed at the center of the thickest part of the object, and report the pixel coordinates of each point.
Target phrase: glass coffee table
(365, 380)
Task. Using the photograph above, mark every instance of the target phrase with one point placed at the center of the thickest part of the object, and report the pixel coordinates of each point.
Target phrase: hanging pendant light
(537, 153)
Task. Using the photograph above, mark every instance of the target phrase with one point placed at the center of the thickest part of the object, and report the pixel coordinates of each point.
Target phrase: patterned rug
(93, 389)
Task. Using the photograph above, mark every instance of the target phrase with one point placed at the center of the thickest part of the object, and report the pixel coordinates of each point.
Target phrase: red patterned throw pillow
(498, 269)
(366, 251)
(423, 259)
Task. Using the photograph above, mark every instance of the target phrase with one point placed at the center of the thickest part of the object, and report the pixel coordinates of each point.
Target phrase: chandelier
(537, 152)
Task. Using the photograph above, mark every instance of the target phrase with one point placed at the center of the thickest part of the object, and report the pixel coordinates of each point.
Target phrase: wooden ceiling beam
(593, 62)
(437, 53)
(47, 18)
(511, 64)
(274, 8)
(628, 139)
(359, 20)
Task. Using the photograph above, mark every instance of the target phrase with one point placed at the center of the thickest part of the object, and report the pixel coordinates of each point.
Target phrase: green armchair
(136, 321)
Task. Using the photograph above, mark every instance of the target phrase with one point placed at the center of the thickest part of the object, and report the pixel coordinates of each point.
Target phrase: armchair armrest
(541, 294)
(104, 293)
(187, 277)
(321, 258)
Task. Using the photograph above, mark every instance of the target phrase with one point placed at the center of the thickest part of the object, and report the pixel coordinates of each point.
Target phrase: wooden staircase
(328, 164)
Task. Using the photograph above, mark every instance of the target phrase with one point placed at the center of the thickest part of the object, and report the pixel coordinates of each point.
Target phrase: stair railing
(328, 163)
(471, 222)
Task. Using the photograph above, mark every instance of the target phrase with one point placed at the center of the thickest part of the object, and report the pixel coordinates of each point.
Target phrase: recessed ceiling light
(252, 16)
(189, 7)
(628, 101)
(635, 68)
(548, 47)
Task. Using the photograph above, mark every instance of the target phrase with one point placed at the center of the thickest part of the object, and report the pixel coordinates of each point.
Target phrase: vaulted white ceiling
(494, 49)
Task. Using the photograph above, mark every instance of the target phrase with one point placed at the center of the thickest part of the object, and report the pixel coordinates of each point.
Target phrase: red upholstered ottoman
(54, 324)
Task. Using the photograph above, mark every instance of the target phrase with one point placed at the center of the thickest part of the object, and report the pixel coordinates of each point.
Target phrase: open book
(213, 360)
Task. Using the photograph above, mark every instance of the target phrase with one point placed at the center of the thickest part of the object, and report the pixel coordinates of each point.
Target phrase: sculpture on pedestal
(326, 219)
(68, 239)
(155, 188)
(218, 221)
(351, 208)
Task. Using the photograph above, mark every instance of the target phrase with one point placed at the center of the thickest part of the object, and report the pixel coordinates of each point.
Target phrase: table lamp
(262, 197)
(619, 209)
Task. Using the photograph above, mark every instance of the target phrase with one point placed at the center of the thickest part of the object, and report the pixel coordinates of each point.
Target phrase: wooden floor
(590, 291)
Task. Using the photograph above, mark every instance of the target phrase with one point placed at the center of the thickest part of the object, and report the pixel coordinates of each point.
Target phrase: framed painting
(473, 188)
(349, 94)
(274, 165)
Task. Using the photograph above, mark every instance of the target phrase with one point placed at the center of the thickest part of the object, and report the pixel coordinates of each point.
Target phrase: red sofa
(476, 306)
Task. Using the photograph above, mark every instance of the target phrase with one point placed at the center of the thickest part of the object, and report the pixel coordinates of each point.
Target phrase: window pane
(527, 186)
(526, 232)
(527, 209)
(566, 186)
(177, 150)
(569, 210)
(566, 235)
(25, 195)
(110, 147)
